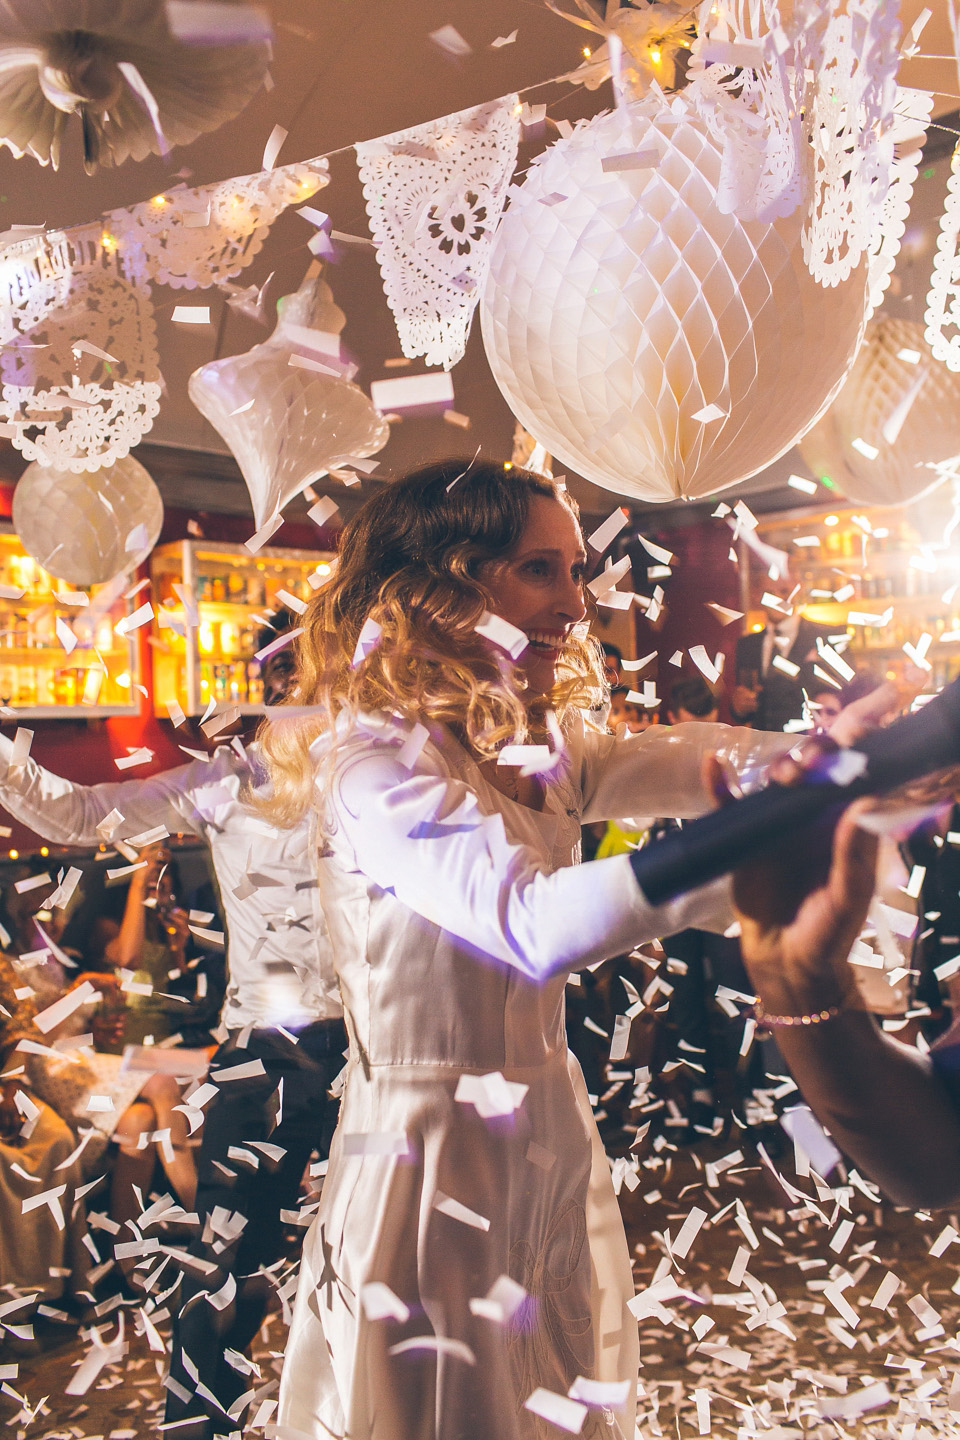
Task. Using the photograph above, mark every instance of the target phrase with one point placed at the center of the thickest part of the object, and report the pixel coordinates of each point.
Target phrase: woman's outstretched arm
(885, 1105)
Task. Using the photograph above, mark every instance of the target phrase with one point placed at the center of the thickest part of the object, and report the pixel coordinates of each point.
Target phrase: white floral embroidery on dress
(434, 197)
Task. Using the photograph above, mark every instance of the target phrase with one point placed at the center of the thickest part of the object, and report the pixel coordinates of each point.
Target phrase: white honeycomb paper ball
(78, 526)
(621, 304)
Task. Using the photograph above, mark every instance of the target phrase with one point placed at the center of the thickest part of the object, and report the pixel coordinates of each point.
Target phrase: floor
(785, 1346)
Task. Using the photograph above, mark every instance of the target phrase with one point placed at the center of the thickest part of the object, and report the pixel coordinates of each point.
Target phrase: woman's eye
(537, 567)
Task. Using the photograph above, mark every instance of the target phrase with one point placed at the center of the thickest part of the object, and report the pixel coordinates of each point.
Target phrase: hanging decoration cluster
(679, 288)
(80, 381)
(673, 296)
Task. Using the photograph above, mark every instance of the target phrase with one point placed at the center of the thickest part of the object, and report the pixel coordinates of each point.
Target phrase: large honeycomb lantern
(658, 347)
(894, 423)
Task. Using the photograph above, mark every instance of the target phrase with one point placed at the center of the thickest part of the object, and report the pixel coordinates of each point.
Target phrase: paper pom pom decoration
(653, 344)
(87, 528)
(136, 88)
(284, 408)
(894, 422)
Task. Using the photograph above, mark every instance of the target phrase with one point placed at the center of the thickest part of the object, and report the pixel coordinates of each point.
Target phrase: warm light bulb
(655, 54)
(108, 241)
(159, 200)
(14, 854)
(508, 464)
(587, 51)
(44, 850)
(831, 519)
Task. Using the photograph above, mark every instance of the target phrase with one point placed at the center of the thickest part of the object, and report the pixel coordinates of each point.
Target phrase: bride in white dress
(467, 1273)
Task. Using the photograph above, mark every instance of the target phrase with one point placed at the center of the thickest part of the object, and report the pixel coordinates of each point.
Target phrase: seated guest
(89, 1088)
(41, 1250)
(154, 941)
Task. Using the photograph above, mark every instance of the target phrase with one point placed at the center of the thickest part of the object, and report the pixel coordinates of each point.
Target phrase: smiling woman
(421, 565)
(468, 1272)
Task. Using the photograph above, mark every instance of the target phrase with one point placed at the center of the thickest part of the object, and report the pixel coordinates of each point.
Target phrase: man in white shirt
(282, 1010)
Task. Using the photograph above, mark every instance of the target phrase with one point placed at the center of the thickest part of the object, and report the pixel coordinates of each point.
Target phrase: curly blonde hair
(411, 560)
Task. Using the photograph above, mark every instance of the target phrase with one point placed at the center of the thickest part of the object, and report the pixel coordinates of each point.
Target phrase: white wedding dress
(455, 917)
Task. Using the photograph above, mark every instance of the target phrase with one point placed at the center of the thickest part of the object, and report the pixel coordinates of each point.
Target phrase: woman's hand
(796, 940)
(157, 857)
(802, 906)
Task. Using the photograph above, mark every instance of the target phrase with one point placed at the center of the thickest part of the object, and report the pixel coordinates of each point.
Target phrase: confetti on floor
(751, 1332)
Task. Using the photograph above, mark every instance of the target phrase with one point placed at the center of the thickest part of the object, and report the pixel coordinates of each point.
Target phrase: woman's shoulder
(404, 746)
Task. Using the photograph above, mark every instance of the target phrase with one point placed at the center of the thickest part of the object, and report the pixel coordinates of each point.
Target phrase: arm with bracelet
(802, 889)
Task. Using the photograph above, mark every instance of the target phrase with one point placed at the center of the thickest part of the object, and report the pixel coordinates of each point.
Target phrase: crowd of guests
(85, 989)
(447, 896)
(160, 980)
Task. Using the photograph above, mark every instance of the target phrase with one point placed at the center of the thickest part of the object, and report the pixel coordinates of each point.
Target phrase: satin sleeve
(68, 813)
(658, 772)
(422, 835)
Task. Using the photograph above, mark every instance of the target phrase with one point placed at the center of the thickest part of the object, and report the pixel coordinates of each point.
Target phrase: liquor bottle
(254, 683)
(238, 682)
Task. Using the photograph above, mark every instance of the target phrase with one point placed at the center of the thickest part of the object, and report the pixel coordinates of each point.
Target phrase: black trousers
(242, 1111)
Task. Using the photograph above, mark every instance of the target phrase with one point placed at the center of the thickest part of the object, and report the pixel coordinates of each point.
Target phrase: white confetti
(367, 641)
(501, 632)
(568, 1414)
(273, 146)
(608, 531)
(501, 1301)
(392, 1142)
(458, 1211)
(380, 1303)
(191, 314)
(409, 392)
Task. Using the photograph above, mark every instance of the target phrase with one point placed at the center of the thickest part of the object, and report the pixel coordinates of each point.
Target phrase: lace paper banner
(78, 365)
(754, 111)
(194, 238)
(910, 120)
(434, 197)
(854, 58)
(942, 315)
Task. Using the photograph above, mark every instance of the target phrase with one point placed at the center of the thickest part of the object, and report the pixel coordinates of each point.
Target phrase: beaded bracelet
(816, 1017)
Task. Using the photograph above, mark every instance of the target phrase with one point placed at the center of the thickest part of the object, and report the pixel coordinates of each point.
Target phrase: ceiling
(344, 72)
